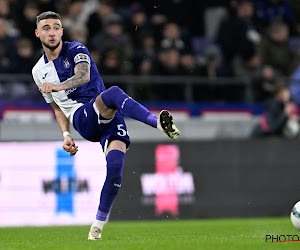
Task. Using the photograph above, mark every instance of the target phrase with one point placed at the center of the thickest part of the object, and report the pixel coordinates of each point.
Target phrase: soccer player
(68, 79)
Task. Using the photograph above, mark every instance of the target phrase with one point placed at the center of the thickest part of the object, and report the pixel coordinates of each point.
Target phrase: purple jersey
(61, 69)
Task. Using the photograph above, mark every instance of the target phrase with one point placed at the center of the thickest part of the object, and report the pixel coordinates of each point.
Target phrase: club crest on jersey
(81, 58)
(66, 63)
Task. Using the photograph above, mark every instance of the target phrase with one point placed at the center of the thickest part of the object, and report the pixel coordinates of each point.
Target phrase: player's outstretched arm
(81, 77)
(64, 124)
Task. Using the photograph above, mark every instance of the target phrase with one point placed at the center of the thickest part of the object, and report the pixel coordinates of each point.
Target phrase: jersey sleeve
(80, 53)
(47, 96)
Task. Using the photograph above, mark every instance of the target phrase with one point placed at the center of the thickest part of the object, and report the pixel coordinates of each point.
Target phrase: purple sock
(115, 163)
(115, 98)
(101, 215)
(152, 120)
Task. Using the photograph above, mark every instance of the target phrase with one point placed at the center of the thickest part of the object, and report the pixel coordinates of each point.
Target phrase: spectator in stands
(78, 33)
(7, 12)
(239, 33)
(268, 11)
(158, 21)
(145, 68)
(171, 38)
(6, 49)
(143, 62)
(274, 49)
(264, 81)
(144, 91)
(143, 65)
(138, 24)
(169, 65)
(73, 21)
(28, 22)
(280, 117)
(95, 23)
(25, 57)
(169, 62)
(147, 47)
(211, 63)
(263, 78)
(114, 38)
(23, 62)
(96, 57)
(187, 14)
(188, 64)
(146, 51)
(4, 9)
(110, 63)
(248, 64)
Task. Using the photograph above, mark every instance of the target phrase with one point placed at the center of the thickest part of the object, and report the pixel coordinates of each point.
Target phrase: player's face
(50, 32)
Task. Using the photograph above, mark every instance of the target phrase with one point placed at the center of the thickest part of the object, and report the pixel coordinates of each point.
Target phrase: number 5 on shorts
(122, 132)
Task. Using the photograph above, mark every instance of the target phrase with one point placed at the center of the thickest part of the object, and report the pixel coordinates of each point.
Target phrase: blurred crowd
(258, 39)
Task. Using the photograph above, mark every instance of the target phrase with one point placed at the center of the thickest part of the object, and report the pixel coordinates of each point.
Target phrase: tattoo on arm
(81, 77)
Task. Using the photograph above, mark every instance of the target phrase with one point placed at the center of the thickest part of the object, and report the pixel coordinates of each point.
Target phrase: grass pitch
(166, 234)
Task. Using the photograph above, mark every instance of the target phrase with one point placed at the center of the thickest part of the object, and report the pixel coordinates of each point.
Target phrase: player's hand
(69, 145)
(48, 87)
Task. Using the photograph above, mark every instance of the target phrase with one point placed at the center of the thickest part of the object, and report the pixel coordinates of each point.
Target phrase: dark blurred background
(255, 43)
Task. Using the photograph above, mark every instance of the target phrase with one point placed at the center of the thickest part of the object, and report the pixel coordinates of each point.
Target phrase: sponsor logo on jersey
(82, 58)
(44, 77)
(80, 47)
(66, 63)
(69, 91)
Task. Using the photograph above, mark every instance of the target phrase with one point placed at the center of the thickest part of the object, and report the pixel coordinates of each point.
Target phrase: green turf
(166, 234)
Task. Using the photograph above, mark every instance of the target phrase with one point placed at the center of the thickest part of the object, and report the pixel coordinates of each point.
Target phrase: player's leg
(115, 156)
(116, 99)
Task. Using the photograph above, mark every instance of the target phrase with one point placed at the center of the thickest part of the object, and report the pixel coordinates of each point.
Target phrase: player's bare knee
(103, 109)
(116, 145)
(108, 114)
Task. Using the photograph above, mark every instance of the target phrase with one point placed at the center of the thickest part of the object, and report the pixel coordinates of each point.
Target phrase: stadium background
(213, 67)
